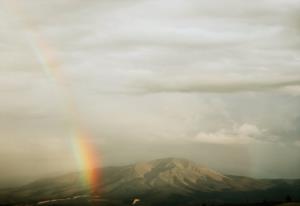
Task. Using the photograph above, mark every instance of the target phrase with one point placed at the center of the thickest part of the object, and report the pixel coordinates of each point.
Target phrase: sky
(216, 82)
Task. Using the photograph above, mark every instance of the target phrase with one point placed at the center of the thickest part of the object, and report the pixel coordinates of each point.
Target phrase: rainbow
(88, 162)
(87, 157)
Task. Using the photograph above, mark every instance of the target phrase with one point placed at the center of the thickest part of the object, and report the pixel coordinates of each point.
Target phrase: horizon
(97, 83)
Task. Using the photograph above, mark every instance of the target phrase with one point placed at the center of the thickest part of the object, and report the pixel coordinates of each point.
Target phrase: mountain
(169, 181)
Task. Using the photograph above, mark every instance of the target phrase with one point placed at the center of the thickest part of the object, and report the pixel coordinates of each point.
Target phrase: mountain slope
(177, 174)
(167, 181)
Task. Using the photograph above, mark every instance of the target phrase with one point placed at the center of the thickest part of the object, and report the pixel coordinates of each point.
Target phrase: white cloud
(243, 134)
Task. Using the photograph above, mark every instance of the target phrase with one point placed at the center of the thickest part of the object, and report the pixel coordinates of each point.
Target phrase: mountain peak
(175, 161)
(172, 172)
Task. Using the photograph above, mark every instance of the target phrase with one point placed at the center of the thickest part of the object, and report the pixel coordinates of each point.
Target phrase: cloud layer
(216, 82)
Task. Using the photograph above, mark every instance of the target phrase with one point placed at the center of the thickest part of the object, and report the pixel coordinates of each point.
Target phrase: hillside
(167, 181)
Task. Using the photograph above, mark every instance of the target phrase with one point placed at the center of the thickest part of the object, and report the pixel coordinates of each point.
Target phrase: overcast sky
(217, 82)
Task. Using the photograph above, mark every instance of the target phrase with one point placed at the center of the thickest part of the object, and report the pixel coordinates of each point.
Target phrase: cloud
(292, 90)
(243, 134)
(189, 60)
(213, 85)
(297, 143)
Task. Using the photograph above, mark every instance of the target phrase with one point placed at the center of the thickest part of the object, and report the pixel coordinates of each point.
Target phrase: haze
(217, 82)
